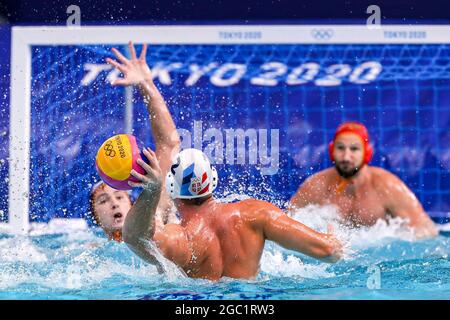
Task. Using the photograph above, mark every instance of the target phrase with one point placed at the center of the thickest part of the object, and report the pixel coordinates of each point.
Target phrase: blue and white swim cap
(191, 175)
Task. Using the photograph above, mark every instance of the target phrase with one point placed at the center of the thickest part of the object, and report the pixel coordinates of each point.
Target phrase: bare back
(225, 240)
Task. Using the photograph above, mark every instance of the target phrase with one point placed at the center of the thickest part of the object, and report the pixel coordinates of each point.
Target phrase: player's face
(111, 207)
(348, 154)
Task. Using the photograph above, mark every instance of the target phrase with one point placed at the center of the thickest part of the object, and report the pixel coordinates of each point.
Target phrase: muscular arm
(140, 223)
(293, 235)
(401, 202)
(137, 72)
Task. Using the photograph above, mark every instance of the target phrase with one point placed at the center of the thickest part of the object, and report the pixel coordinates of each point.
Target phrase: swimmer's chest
(361, 208)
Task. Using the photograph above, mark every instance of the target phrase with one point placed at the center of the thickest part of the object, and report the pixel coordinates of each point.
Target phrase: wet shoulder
(256, 211)
(383, 179)
(242, 207)
(320, 182)
(320, 178)
(253, 204)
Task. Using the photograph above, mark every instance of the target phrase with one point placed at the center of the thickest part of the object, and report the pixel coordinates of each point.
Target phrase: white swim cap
(191, 175)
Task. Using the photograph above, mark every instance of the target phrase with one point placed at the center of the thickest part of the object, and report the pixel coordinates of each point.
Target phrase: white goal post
(23, 38)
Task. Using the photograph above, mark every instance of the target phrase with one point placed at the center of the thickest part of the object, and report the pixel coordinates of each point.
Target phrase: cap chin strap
(214, 179)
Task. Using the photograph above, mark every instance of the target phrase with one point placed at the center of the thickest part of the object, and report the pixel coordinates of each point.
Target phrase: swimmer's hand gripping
(152, 180)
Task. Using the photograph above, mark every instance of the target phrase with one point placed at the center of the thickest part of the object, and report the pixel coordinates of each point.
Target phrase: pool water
(381, 262)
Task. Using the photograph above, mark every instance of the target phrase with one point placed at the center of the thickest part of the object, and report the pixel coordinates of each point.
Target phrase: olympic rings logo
(322, 34)
(109, 150)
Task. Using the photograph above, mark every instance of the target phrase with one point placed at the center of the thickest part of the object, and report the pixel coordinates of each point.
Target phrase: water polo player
(109, 207)
(214, 239)
(362, 193)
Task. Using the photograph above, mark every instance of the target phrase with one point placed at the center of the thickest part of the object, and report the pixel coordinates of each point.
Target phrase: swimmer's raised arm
(294, 235)
(167, 141)
(137, 72)
(401, 202)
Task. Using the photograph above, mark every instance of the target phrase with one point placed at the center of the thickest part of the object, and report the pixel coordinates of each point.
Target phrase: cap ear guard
(214, 179)
(170, 183)
(330, 150)
(170, 188)
(191, 175)
(368, 155)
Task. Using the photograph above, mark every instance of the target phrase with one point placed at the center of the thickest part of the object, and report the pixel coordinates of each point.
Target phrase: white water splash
(84, 270)
(59, 226)
(382, 232)
(171, 270)
(89, 269)
(275, 263)
(92, 260)
(20, 249)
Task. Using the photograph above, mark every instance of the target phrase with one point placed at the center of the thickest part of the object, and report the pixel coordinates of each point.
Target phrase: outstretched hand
(135, 71)
(152, 180)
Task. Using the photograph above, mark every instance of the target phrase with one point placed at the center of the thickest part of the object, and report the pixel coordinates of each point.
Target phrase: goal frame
(23, 38)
